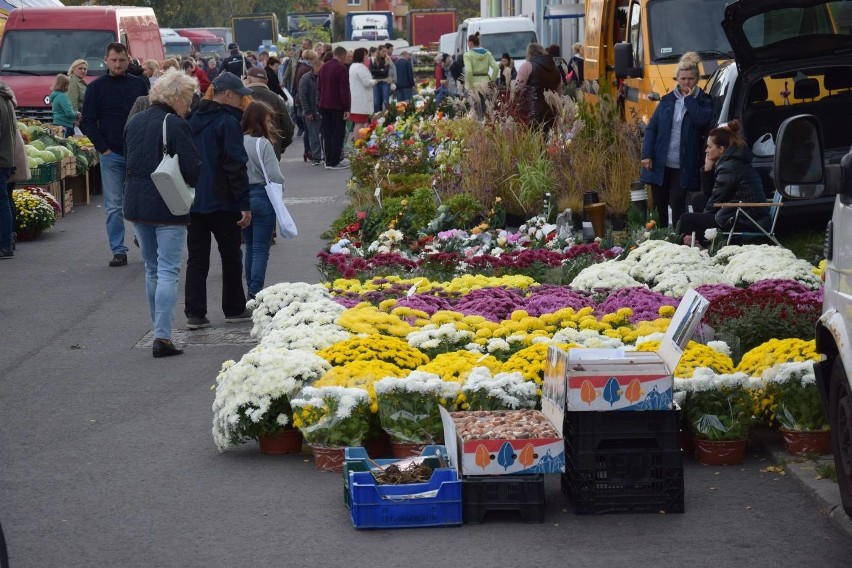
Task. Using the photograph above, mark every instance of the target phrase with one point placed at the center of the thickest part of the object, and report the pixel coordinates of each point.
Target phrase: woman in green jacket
(480, 69)
(63, 113)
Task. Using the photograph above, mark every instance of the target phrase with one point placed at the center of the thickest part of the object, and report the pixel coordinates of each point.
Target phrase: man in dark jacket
(105, 109)
(235, 63)
(334, 104)
(221, 206)
(8, 135)
(284, 126)
(543, 77)
(404, 77)
(309, 98)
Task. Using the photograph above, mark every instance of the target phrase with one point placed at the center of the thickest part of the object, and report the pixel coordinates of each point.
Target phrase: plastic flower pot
(406, 450)
(800, 443)
(283, 442)
(328, 459)
(596, 213)
(720, 452)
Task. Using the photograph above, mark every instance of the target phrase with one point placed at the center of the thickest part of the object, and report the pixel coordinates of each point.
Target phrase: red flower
(361, 215)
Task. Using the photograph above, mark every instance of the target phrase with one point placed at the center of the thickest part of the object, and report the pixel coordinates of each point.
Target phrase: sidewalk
(804, 471)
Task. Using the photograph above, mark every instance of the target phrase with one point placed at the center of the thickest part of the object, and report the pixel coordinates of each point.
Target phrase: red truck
(427, 26)
(203, 41)
(40, 43)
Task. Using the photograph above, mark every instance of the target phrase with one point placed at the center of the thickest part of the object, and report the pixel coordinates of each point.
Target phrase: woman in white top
(361, 85)
(258, 129)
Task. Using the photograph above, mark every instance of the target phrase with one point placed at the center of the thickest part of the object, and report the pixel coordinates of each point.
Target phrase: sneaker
(317, 162)
(6, 253)
(343, 165)
(197, 323)
(118, 260)
(245, 316)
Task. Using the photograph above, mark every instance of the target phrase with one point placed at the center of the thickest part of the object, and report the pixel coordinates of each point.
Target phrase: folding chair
(741, 215)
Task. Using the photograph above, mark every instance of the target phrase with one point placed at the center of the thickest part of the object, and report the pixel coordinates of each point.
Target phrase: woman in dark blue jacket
(674, 142)
(161, 235)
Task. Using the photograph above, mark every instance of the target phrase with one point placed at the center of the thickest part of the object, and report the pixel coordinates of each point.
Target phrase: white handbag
(170, 183)
(275, 192)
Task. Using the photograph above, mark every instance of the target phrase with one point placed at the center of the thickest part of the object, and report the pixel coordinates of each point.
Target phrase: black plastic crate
(624, 480)
(596, 431)
(522, 493)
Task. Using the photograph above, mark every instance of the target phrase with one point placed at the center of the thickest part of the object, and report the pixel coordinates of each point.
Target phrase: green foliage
(759, 324)
(406, 183)
(421, 208)
(464, 209)
(797, 406)
(572, 267)
(346, 218)
(534, 179)
(719, 414)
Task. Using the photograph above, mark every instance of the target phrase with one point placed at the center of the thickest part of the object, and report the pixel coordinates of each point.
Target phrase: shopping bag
(170, 183)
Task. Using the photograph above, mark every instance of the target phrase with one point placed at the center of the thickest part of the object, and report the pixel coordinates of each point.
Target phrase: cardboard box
(506, 456)
(614, 379)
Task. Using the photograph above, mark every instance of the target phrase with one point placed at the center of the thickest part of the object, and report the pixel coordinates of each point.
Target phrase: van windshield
(49, 52)
(692, 32)
(178, 49)
(513, 43)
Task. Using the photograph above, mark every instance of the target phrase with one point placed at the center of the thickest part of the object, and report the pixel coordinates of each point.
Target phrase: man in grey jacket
(284, 126)
(8, 135)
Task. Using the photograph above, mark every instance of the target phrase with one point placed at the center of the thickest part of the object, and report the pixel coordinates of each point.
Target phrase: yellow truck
(632, 48)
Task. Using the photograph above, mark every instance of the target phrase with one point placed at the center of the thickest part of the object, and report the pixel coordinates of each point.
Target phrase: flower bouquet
(503, 391)
(332, 418)
(718, 411)
(253, 395)
(797, 408)
(408, 407)
(33, 213)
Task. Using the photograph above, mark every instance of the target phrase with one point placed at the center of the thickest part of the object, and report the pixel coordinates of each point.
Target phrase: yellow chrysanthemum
(776, 351)
(374, 348)
(694, 356)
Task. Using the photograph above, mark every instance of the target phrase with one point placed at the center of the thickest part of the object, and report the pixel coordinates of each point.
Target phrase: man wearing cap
(334, 103)
(236, 62)
(105, 109)
(221, 206)
(284, 126)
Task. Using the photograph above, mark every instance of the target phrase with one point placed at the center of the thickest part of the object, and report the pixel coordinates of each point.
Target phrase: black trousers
(223, 226)
(669, 194)
(697, 223)
(333, 130)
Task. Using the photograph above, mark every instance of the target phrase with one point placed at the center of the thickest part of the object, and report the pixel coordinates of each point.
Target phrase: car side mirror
(624, 61)
(799, 168)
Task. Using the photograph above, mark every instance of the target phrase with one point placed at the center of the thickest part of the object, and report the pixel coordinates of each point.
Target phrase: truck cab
(204, 42)
(809, 46)
(632, 47)
(174, 44)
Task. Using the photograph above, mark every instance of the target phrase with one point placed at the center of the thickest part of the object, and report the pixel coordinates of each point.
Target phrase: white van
(174, 44)
(498, 35)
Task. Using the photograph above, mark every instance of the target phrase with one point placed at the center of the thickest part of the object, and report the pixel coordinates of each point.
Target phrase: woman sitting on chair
(727, 177)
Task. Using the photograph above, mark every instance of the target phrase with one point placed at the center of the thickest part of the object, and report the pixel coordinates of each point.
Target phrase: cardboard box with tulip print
(614, 379)
(510, 442)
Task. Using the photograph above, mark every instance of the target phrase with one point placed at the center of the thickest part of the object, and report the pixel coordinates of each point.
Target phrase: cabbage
(56, 151)
(47, 156)
(31, 150)
(37, 144)
(31, 162)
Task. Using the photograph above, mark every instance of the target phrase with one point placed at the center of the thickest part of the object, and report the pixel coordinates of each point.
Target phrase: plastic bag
(764, 147)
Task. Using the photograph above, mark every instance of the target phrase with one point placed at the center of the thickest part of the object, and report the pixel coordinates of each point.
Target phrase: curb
(803, 470)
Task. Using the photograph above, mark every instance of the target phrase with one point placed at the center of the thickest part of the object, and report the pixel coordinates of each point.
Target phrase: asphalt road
(106, 456)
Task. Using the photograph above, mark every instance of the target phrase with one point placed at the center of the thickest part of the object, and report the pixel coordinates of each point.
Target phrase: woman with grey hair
(161, 235)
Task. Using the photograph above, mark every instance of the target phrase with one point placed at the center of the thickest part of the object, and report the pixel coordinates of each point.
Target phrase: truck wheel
(840, 420)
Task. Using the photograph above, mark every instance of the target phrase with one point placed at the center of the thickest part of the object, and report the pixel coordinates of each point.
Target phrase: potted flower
(797, 408)
(409, 410)
(718, 411)
(332, 418)
(253, 398)
(33, 214)
(502, 391)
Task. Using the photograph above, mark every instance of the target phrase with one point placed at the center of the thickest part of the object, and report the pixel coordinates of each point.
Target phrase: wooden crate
(79, 187)
(68, 167)
(68, 201)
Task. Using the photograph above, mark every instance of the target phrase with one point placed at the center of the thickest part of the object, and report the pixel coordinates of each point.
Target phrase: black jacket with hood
(734, 179)
(223, 183)
(8, 127)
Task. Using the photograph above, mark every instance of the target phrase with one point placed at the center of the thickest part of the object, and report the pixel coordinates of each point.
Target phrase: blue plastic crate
(361, 465)
(376, 506)
(358, 453)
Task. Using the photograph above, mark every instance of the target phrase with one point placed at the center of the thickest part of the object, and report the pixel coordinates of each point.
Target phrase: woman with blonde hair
(63, 112)
(161, 235)
(672, 149)
(77, 86)
(151, 70)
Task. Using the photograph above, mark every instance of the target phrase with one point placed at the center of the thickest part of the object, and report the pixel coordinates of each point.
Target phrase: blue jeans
(312, 129)
(6, 215)
(112, 178)
(381, 95)
(258, 238)
(404, 93)
(162, 250)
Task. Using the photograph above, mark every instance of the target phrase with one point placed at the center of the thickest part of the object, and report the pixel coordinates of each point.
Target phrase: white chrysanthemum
(720, 346)
(610, 274)
(509, 390)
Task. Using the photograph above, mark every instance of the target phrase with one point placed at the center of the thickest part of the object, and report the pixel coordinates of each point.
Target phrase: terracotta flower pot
(406, 450)
(328, 459)
(801, 443)
(719, 452)
(283, 442)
